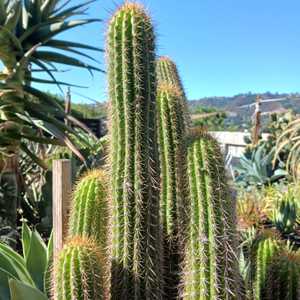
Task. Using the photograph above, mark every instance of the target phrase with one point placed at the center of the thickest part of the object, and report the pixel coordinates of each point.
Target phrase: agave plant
(29, 273)
(257, 170)
(29, 48)
(285, 213)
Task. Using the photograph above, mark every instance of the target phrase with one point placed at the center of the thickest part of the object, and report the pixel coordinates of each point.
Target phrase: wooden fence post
(62, 187)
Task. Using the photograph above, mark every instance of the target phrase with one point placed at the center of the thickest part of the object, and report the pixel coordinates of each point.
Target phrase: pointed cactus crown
(79, 271)
(89, 210)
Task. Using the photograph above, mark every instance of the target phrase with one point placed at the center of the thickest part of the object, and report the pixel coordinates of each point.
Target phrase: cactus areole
(136, 238)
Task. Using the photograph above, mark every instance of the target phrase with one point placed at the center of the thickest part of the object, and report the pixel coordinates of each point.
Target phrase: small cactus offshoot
(79, 271)
(89, 211)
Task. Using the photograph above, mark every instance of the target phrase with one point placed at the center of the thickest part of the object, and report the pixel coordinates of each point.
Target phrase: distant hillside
(239, 114)
(234, 103)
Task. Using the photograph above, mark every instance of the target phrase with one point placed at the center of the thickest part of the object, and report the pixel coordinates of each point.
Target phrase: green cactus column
(78, 273)
(265, 248)
(89, 210)
(210, 268)
(167, 72)
(283, 281)
(171, 130)
(136, 238)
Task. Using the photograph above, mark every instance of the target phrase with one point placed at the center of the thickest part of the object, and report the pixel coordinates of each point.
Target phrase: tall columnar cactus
(136, 237)
(89, 211)
(78, 273)
(210, 267)
(265, 249)
(173, 179)
(167, 72)
(283, 281)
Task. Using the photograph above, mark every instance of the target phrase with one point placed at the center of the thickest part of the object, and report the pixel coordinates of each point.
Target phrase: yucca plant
(29, 47)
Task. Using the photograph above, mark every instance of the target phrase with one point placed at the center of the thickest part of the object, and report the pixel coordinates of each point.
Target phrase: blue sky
(221, 47)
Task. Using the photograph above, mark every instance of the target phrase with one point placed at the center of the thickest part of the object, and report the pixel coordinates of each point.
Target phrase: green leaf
(68, 44)
(72, 10)
(45, 81)
(45, 33)
(4, 284)
(43, 97)
(7, 264)
(33, 157)
(56, 57)
(36, 261)
(26, 237)
(21, 291)
(50, 246)
(17, 262)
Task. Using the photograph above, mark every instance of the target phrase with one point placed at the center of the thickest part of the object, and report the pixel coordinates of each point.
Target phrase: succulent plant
(211, 266)
(136, 233)
(285, 213)
(89, 211)
(173, 180)
(78, 271)
(167, 73)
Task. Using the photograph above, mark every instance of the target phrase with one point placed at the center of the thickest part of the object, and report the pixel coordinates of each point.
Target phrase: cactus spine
(78, 273)
(167, 72)
(173, 179)
(210, 268)
(90, 207)
(136, 237)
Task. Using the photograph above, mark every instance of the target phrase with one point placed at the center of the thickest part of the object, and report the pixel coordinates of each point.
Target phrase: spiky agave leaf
(25, 28)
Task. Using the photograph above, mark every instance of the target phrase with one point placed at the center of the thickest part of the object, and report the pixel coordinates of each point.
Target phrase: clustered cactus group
(159, 223)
